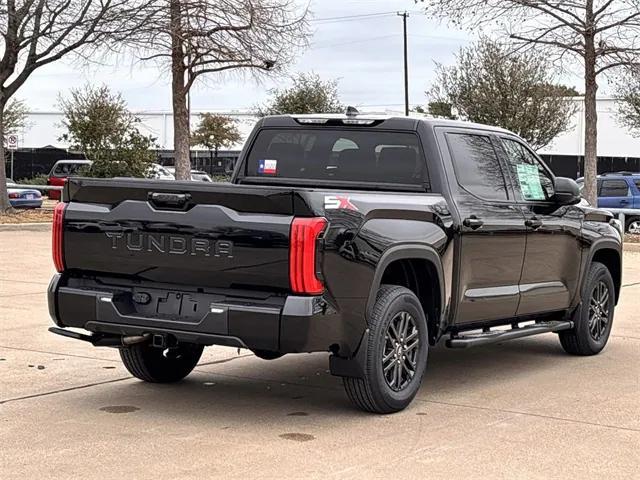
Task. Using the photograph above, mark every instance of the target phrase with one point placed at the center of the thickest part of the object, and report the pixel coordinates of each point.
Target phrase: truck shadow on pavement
(299, 388)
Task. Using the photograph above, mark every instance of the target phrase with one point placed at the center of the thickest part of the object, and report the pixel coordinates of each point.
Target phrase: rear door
(490, 243)
(552, 259)
(614, 193)
(636, 194)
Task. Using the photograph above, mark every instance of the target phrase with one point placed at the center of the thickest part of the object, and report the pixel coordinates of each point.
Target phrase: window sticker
(267, 167)
(529, 179)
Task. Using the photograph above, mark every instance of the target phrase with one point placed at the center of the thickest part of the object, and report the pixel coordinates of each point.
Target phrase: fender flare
(598, 245)
(407, 251)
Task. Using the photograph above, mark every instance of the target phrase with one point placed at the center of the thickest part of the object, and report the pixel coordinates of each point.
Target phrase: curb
(631, 247)
(25, 227)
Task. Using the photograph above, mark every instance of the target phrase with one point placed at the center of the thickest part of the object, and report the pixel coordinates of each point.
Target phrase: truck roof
(396, 122)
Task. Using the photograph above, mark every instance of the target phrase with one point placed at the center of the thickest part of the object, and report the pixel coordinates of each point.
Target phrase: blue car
(23, 197)
(620, 191)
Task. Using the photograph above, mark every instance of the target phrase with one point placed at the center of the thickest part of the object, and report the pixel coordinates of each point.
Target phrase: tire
(157, 365)
(378, 392)
(593, 318)
(267, 354)
(633, 226)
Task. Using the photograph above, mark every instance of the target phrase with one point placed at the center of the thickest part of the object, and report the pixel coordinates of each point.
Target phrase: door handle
(624, 202)
(169, 200)
(534, 223)
(473, 222)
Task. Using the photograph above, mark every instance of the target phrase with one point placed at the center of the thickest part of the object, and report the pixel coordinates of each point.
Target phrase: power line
(352, 17)
(364, 40)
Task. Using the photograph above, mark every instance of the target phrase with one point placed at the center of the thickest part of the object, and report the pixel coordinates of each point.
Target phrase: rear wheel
(157, 365)
(396, 353)
(593, 319)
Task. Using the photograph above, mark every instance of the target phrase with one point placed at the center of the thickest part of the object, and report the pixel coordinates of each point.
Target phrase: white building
(45, 128)
(618, 149)
(614, 140)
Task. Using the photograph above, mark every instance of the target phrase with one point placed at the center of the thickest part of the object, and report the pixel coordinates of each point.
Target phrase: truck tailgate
(211, 235)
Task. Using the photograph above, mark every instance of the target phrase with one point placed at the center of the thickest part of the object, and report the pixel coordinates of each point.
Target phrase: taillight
(302, 255)
(14, 195)
(57, 230)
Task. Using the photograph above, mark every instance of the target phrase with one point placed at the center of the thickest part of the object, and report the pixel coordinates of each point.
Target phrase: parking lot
(523, 409)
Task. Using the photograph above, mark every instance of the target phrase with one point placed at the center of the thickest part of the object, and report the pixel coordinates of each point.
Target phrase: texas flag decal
(267, 167)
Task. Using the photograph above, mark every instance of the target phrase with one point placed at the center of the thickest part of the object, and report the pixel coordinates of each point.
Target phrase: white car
(196, 175)
(158, 172)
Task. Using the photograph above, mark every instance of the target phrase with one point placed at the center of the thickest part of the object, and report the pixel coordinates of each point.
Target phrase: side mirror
(567, 191)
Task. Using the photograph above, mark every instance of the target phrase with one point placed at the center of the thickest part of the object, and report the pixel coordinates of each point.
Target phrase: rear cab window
(325, 155)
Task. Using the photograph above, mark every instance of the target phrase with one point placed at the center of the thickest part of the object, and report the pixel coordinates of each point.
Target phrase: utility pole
(404, 16)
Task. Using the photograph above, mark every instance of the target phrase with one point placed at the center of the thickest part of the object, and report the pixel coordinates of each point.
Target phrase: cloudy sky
(364, 54)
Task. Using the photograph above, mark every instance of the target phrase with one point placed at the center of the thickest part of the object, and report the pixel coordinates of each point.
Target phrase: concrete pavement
(523, 409)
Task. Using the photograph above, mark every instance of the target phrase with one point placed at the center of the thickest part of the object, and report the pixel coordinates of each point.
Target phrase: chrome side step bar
(488, 337)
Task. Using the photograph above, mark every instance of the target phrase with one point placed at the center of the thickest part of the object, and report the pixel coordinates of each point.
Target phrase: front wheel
(397, 347)
(593, 318)
(157, 365)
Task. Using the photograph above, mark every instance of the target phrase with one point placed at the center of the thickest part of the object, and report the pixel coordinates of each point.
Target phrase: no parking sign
(12, 142)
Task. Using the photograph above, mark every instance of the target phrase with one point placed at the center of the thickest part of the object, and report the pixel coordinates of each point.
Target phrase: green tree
(489, 85)
(215, 132)
(14, 117)
(100, 125)
(308, 94)
(441, 109)
(628, 93)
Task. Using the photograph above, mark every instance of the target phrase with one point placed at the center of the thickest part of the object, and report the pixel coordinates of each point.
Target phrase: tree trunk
(5, 205)
(179, 96)
(590, 114)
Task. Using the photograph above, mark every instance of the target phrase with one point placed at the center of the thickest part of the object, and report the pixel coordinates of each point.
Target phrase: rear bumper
(287, 324)
(25, 202)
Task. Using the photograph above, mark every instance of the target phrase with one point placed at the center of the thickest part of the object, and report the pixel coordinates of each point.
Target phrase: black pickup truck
(368, 238)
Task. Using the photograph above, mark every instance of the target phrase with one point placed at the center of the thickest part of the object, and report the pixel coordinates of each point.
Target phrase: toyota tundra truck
(369, 238)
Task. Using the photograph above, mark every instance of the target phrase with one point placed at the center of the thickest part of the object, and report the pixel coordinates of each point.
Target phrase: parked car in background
(200, 176)
(620, 193)
(196, 175)
(61, 170)
(23, 197)
(158, 172)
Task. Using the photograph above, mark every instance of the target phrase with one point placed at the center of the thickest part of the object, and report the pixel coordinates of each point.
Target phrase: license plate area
(184, 307)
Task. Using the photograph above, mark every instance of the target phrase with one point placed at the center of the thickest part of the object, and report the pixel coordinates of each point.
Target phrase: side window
(637, 182)
(477, 166)
(614, 188)
(533, 180)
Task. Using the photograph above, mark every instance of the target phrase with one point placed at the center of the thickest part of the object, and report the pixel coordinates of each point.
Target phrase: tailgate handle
(169, 200)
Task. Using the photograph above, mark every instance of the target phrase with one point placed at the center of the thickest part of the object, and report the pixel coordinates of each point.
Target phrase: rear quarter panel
(358, 237)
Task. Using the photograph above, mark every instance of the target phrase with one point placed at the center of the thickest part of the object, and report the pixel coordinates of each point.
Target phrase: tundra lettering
(171, 244)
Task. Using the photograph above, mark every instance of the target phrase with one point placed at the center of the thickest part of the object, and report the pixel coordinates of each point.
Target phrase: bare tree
(600, 35)
(196, 38)
(35, 33)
